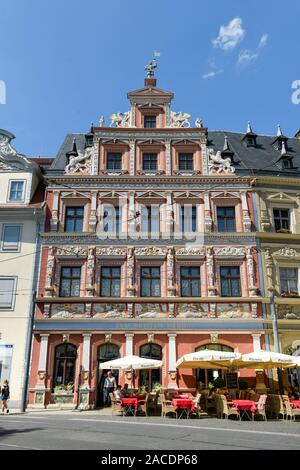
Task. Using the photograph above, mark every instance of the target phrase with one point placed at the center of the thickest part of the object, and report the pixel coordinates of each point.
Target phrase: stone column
(256, 342)
(132, 157)
(54, 212)
(40, 390)
(84, 388)
(246, 215)
(43, 354)
(93, 216)
(50, 272)
(168, 157)
(170, 272)
(260, 382)
(130, 271)
(90, 272)
(211, 288)
(129, 352)
(250, 272)
(207, 214)
(172, 361)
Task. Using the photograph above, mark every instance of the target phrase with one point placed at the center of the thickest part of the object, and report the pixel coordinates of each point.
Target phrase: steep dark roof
(260, 159)
(61, 161)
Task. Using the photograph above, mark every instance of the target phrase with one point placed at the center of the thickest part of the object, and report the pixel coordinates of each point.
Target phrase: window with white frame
(11, 237)
(7, 292)
(288, 280)
(282, 220)
(16, 191)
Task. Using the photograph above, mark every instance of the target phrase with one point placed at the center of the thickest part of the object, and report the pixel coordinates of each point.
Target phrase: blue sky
(66, 63)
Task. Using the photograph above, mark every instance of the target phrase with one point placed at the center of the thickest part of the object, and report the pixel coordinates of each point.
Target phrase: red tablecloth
(129, 401)
(247, 405)
(181, 395)
(140, 397)
(183, 403)
(295, 403)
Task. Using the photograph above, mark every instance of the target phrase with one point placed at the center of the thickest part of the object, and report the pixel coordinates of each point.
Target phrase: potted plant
(289, 294)
(157, 387)
(283, 230)
(219, 383)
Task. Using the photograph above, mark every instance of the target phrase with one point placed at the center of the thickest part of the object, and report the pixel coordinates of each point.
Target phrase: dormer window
(150, 122)
(250, 142)
(287, 164)
(89, 140)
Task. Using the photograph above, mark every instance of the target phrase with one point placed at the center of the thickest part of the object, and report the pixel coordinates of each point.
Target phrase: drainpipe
(276, 339)
(29, 337)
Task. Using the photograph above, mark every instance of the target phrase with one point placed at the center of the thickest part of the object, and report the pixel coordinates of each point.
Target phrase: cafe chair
(228, 409)
(291, 413)
(261, 407)
(115, 405)
(143, 405)
(166, 406)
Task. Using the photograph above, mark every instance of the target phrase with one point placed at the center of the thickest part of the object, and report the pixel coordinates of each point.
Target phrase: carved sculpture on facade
(218, 164)
(5, 148)
(150, 251)
(82, 163)
(287, 252)
(130, 271)
(190, 251)
(72, 251)
(90, 271)
(251, 272)
(101, 121)
(269, 268)
(199, 122)
(120, 119)
(111, 251)
(230, 251)
(170, 271)
(150, 68)
(210, 271)
(50, 271)
(179, 119)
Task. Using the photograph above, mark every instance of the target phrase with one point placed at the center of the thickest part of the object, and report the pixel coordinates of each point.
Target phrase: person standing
(5, 396)
(109, 386)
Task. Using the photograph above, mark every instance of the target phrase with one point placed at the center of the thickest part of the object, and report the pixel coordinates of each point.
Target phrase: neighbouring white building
(21, 214)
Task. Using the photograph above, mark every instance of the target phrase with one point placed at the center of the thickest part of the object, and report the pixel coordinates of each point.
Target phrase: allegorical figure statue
(150, 68)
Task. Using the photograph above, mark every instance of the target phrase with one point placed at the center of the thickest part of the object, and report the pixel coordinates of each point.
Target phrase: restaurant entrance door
(106, 352)
(204, 377)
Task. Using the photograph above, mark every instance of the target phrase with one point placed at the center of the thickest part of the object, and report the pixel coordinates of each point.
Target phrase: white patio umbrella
(208, 359)
(131, 362)
(266, 360)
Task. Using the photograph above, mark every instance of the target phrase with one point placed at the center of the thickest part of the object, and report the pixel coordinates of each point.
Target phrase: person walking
(5, 396)
(110, 385)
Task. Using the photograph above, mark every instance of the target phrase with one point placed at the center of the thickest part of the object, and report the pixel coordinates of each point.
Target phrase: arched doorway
(64, 365)
(105, 352)
(150, 377)
(206, 376)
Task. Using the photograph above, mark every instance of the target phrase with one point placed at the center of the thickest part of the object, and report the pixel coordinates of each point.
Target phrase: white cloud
(246, 56)
(230, 35)
(211, 74)
(263, 41)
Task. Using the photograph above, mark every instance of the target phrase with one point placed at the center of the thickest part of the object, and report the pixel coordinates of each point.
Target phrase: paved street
(90, 430)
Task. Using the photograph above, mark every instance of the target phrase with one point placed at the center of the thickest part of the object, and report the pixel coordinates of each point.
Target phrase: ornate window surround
(74, 201)
(243, 274)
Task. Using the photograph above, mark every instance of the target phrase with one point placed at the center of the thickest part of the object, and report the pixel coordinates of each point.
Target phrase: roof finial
(249, 128)
(226, 145)
(279, 131)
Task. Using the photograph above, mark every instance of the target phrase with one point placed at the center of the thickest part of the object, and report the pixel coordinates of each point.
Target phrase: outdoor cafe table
(295, 403)
(244, 406)
(130, 406)
(185, 405)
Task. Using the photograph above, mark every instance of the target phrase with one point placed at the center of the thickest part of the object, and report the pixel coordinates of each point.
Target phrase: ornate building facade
(149, 248)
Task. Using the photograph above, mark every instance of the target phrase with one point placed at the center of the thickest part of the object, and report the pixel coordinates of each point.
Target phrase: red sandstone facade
(152, 304)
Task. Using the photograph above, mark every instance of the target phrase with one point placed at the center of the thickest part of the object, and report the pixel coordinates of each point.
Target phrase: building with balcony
(149, 248)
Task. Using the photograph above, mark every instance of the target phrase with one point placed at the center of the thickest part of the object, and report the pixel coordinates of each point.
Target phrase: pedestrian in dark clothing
(5, 396)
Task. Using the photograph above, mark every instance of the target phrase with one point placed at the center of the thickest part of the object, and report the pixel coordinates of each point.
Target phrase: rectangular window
(114, 161)
(11, 237)
(226, 219)
(188, 219)
(289, 280)
(16, 191)
(190, 281)
(281, 219)
(112, 219)
(149, 161)
(150, 219)
(74, 219)
(110, 281)
(230, 281)
(7, 292)
(186, 161)
(149, 122)
(150, 282)
(70, 282)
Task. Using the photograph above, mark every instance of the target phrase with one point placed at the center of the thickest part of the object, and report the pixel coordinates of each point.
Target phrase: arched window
(150, 377)
(206, 376)
(64, 364)
(108, 352)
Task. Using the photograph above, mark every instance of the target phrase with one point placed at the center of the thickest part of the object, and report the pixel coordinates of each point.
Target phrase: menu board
(232, 380)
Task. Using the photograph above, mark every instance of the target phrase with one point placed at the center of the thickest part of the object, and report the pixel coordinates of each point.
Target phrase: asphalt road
(87, 430)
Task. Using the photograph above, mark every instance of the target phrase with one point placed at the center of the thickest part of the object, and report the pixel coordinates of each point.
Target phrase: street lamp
(276, 338)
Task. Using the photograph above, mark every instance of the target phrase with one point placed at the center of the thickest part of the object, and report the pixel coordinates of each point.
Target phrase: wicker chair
(115, 405)
(261, 407)
(291, 413)
(166, 406)
(143, 405)
(228, 409)
(275, 406)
